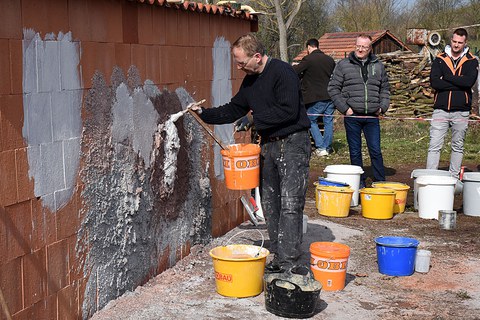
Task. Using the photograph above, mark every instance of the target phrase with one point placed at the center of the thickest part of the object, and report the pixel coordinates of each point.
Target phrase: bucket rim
(437, 180)
(380, 191)
(394, 185)
(471, 176)
(418, 173)
(262, 253)
(247, 149)
(335, 189)
(331, 249)
(397, 242)
(342, 169)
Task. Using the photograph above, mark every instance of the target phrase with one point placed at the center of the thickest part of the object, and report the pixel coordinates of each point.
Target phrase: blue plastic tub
(396, 255)
(326, 182)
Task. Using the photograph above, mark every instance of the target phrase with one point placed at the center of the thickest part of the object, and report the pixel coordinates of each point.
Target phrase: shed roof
(225, 10)
(337, 43)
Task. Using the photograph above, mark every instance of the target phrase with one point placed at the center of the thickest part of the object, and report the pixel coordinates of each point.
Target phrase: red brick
(105, 21)
(163, 261)
(67, 301)
(97, 57)
(38, 225)
(18, 225)
(130, 22)
(183, 37)
(11, 25)
(123, 56)
(75, 271)
(25, 185)
(11, 109)
(139, 56)
(158, 25)
(57, 266)
(171, 27)
(5, 79)
(66, 220)
(153, 64)
(145, 25)
(11, 284)
(78, 18)
(194, 29)
(209, 63)
(16, 66)
(8, 183)
(45, 16)
(204, 27)
(35, 277)
(199, 70)
(45, 309)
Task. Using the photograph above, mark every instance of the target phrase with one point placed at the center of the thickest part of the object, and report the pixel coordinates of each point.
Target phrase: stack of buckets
(384, 200)
(333, 198)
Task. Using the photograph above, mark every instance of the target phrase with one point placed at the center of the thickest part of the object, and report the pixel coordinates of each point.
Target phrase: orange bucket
(328, 262)
(241, 165)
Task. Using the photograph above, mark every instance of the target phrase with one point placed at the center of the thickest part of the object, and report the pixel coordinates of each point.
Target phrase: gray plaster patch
(52, 102)
(131, 218)
(221, 94)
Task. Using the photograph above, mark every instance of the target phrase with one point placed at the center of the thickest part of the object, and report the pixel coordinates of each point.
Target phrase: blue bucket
(331, 183)
(396, 255)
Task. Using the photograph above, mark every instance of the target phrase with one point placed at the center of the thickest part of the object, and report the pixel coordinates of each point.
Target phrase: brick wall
(45, 217)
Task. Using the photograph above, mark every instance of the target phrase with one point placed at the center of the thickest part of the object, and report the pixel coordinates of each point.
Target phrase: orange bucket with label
(401, 193)
(328, 262)
(241, 165)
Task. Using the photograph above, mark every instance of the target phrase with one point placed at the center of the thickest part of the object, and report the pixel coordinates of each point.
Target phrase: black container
(293, 294)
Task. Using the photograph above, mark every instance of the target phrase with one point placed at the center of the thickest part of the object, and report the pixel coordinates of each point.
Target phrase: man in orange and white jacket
(453, 74)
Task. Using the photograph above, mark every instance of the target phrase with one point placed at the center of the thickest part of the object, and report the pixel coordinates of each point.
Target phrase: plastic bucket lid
(397, 242)
(343, 169)
(471, 176)
(436, 180)
(327, 182)
(432, 172)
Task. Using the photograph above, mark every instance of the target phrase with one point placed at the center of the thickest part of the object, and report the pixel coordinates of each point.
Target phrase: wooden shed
(340, 44)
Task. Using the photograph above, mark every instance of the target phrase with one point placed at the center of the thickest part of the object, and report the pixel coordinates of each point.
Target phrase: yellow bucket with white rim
(332, 201)
(401, 193)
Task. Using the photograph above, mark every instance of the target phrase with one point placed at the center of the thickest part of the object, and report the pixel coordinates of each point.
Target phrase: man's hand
(349, 112)
(195, 106)
(242, 124)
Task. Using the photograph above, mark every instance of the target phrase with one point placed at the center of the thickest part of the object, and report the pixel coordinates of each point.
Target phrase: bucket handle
(243, 231)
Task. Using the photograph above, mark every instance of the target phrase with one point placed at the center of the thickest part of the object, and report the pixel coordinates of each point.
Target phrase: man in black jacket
(453, 74)
(271, 90)
(359, 89)
(315, 70)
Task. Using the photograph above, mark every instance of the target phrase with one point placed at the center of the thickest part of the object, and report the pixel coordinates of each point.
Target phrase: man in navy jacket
(453, 74)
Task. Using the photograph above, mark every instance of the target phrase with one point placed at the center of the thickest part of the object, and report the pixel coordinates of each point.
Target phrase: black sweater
(275, 100)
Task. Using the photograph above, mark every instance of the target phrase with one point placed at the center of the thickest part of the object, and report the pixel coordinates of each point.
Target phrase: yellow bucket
(377, 203)
(333, 201)
(239, 269)
(400, 195)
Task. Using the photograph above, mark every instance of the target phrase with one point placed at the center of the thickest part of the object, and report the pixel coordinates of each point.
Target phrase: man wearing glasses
(359, 89)
(271, 90)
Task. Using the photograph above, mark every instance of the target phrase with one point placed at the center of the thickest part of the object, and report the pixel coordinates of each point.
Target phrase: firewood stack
(409, 77)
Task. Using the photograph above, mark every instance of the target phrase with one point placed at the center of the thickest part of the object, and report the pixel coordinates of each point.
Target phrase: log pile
(409, 77)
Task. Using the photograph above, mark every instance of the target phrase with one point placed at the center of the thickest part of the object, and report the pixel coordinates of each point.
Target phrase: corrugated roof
(337, 43)
(225, 10)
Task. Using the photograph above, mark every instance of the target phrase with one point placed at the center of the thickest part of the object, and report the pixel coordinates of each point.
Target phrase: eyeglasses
(362, 47)
(244, 63)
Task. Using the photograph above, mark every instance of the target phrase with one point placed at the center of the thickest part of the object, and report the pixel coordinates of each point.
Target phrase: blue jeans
(284, 181)
(371, 130)
(326, 107)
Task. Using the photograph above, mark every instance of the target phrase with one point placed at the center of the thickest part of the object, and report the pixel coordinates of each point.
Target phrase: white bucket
(422, 261)
(471, 194)
(424, 172)
(348, 174)
(435, 193)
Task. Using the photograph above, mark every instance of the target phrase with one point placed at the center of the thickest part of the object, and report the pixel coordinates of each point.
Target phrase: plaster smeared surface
(52, 99)
(146, 194)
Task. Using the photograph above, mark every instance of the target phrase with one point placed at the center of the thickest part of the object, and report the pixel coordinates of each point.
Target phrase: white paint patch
(52, 127)
(171, 147)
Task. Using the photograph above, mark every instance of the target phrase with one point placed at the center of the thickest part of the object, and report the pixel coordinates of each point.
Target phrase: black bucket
(292, 294)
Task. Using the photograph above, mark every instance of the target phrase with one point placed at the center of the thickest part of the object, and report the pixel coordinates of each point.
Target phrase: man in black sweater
(315, 70)
(271, 90)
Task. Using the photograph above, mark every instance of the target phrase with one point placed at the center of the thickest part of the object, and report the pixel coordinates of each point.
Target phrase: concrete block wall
(87, 210)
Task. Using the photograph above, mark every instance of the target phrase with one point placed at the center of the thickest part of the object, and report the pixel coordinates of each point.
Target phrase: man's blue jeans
(371, 130)
(324, 107)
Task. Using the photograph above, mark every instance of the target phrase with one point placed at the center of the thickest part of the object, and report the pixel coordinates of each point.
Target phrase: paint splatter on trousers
(284, 178)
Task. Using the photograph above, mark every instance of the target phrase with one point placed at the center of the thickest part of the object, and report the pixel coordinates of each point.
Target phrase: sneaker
(320, 153)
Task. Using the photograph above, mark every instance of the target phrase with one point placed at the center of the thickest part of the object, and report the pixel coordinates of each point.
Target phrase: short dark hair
(250, 45)
(461, 32)
(312, 43)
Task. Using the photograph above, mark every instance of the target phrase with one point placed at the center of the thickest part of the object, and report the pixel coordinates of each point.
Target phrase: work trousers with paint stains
(284, 179)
